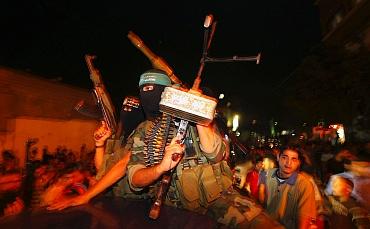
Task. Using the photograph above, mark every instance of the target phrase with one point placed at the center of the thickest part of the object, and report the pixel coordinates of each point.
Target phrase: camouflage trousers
(234, 210)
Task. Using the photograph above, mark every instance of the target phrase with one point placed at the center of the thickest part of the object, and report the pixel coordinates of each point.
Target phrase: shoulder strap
(194, 136)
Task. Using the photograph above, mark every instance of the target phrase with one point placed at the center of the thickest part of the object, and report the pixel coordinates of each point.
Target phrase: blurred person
(344, 211)
(358, 171)
(240, 172)
(45, 187)
(24, 196)
(10, 182)
(336, 164)
(10, 203)
(309, 169)
(268, 162)
(73, 182)
(10, 163)
(70, 158)
(13, 208)
(43, 176)
(275, 151)
(252, 178)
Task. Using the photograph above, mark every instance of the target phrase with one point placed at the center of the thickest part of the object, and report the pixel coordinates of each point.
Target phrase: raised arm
(211, 142)
(100, 137)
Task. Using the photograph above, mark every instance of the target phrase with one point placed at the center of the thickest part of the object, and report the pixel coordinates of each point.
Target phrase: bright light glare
(235, 122)
(341, 136)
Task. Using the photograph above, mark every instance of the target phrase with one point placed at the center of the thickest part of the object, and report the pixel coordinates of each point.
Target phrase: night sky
(50, 38)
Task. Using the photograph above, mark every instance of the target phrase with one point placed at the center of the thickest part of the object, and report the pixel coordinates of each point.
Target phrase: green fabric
(154, 77)
(237, 211)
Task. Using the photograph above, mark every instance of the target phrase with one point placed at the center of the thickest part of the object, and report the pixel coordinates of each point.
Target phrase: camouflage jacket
(205, 177)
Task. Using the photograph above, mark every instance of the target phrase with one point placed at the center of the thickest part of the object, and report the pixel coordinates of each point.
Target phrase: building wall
(30, 95)
(49, 132)
(35, 107)
(345, 23)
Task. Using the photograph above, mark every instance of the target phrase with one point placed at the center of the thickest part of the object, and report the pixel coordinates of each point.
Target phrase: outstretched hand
(69, 202)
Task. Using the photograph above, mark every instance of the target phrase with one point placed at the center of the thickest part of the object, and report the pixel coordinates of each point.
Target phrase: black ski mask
(150, 100)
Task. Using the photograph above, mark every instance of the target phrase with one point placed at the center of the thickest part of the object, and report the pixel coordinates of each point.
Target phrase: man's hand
(172, 155)
(102, 134)
(65, 203)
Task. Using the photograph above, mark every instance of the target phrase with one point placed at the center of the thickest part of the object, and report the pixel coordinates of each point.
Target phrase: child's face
(259, 165)
(340, 188)
(267, 164)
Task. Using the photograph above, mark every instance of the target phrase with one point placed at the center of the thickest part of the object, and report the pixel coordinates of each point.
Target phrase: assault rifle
(102, 97)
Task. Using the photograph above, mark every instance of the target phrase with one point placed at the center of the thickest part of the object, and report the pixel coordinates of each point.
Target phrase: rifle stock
(156, 207)
(157, 62)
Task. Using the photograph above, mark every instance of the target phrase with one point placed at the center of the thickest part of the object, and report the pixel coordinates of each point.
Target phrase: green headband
(154, 77)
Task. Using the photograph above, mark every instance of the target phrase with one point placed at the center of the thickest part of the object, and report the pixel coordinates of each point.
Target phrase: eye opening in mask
(147, 87)
(150, 99)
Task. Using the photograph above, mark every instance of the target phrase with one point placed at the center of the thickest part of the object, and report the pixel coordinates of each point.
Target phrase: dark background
(50, 38)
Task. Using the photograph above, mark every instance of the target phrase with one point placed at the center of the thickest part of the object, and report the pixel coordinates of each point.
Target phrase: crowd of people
(339, 176)
(45, 178)
(298, 185)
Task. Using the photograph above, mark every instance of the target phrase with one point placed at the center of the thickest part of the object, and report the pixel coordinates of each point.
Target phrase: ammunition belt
(157, 136)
